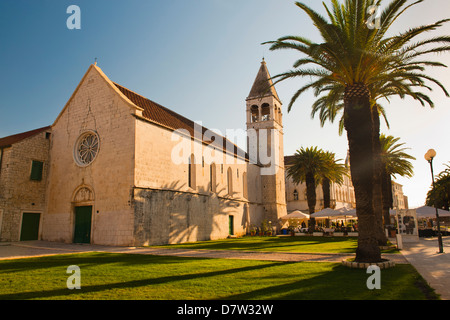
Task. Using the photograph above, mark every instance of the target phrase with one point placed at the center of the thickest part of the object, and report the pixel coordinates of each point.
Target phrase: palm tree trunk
(447, 201)
(377, 194)
(311, 198)
(387, 196)
(358, 124)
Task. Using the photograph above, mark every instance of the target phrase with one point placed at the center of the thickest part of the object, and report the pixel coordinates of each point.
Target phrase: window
(244, 185)
(254, 113)
(86, 148)
(212, 177)
(295, 195)
(230, 181)
(36, 170)
(265, 112)
(191, 172)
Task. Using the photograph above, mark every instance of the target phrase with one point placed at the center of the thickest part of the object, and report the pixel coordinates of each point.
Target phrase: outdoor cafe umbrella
(297, 215)
(329, 213)
(333, 214)
(430, 212)
(294, 215)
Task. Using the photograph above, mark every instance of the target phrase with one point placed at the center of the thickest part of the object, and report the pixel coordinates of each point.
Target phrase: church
(116, 168)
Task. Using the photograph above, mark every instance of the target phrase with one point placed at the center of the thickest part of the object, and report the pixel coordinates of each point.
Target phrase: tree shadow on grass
(341, 283)
(69, 294)
(82, 259)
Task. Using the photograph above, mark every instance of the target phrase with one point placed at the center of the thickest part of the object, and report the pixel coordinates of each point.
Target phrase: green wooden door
(82, 233)
(30, 226)
(231, 225)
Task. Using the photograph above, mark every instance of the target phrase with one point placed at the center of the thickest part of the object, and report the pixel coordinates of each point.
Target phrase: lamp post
(429, 157)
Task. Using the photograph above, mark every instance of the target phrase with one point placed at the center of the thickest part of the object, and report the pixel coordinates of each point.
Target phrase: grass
(303, 244)
(136, 277)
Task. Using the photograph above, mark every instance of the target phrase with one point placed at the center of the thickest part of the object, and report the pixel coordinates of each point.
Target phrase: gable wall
(95, 106)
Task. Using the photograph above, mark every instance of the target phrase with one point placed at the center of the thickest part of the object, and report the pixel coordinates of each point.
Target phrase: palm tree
(354, 58)
(308, 166)
(395, 161)
(439, 196)
(333, 172)
(313, 166)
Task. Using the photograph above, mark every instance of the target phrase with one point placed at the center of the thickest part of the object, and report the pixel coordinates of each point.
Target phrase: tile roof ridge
(158, 104)
(17, 137)
(186, 121)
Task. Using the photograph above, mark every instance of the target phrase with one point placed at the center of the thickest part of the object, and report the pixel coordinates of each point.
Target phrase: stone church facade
(116, 168)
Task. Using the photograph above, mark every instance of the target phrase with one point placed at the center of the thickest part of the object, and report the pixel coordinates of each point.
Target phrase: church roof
(10, 140)
(263, 85)
(167, 118)
(157, 113)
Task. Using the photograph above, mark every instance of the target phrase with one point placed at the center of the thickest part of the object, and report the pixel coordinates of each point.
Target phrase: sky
(198, 58)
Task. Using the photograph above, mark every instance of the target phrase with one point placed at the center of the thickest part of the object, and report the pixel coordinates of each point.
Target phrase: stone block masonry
(18, 193)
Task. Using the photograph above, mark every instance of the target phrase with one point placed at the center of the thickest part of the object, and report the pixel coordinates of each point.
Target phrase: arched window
(265, 112)
(295, 195)
(191, 172)
(212, 177)
(255, 113)
(230, 181)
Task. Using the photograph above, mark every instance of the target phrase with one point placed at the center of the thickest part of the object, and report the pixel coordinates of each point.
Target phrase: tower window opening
(265, 112)
(255, 113)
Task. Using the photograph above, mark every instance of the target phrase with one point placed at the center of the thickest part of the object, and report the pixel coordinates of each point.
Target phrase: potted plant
(264, 228)
(269, 231)
(291, 230)
(293, 224)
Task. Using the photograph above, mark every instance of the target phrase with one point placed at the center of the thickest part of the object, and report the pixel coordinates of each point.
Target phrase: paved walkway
(434, 267)
(15, 250)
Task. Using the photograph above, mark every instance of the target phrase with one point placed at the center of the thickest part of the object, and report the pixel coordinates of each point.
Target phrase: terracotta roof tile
(10, 140)
(168, 118)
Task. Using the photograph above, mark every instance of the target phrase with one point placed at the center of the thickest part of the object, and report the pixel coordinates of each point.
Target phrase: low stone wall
(364, 265)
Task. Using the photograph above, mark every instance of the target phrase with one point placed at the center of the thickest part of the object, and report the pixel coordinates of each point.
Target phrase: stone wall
(167, 216)
(168, 210)
(18, 193)
(96, 106)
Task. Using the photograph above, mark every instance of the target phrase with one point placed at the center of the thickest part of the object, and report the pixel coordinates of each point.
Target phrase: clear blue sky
(197, 57)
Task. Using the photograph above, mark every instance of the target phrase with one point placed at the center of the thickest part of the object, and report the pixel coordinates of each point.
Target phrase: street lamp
(429, 157)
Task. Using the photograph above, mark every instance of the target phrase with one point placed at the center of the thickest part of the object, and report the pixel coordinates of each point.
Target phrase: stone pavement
(433, 266)
(26, 249)
(423, 255)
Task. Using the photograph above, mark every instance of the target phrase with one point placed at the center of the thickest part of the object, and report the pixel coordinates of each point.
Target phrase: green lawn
(303, 244)
(132, 276)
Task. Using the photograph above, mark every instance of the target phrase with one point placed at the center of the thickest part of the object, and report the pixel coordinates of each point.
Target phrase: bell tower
(265, 142)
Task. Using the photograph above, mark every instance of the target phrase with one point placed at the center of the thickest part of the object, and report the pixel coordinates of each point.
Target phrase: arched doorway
(83, 202)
